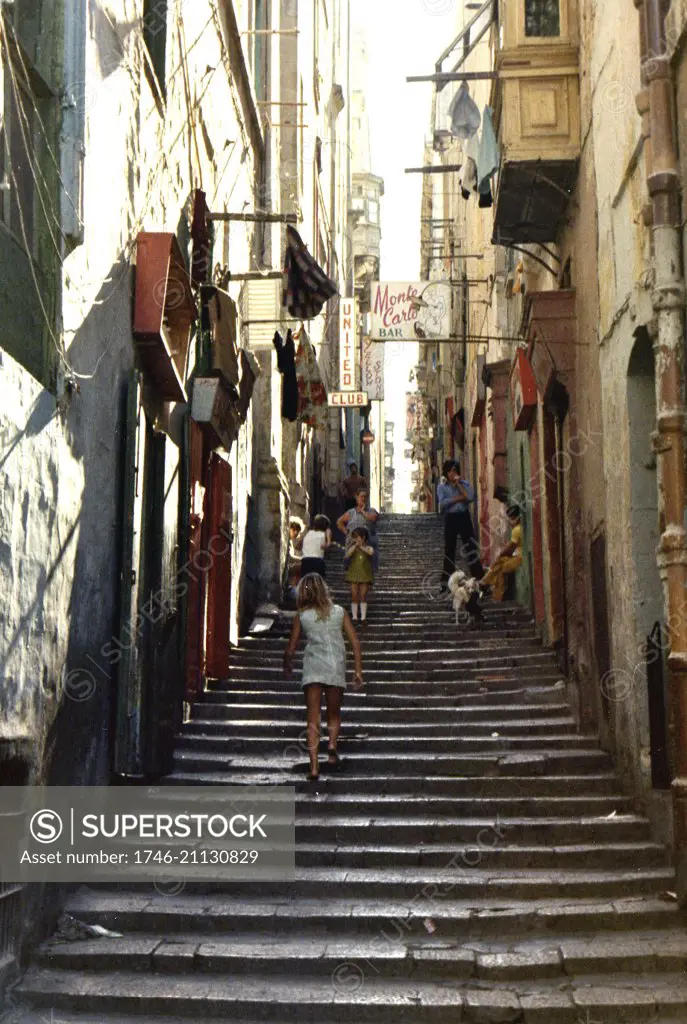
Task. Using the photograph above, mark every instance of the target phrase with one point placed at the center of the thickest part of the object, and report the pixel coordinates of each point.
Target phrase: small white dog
(465, 593)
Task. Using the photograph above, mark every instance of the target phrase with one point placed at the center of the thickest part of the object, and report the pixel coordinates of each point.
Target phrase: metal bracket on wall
(434, 169)
(256, 218)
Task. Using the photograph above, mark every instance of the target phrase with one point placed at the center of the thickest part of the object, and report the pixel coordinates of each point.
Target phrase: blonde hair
(313, 592)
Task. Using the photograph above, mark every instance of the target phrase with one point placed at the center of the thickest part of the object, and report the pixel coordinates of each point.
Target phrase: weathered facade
(573, 337)
(147, 473)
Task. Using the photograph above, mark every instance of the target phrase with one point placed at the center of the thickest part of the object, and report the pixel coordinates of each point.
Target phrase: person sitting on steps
(509, 558)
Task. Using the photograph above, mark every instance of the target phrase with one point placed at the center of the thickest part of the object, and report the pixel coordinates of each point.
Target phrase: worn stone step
(463, 883)
(436, 806)
(478, 693)
(542, 762)
(440, 630)
(410, 732)
(379, 659)
(197, 738)
(593, 856)
(351, 995)
(471, 666)
(470, 788)
(470, 641)
(453, 919)
(493, 685)
(374, 717)
(422, 959)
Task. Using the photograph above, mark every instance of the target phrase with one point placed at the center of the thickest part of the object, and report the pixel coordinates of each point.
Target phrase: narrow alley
(475, 859)
(389, 296)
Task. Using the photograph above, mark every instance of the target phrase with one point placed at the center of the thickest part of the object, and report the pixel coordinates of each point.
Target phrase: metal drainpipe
(656, 103)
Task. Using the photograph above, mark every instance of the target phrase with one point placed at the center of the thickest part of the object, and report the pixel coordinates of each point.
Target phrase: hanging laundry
(468, 183)
(464, 114)
(250, 371)
(200, 236)
(312, 396)
(488, 158)
(306, 286)
(286, 363)
(222, 324)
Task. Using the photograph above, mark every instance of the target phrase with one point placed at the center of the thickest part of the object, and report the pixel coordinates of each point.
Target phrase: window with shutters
(155, 40)
(32, 236)
(19, 145)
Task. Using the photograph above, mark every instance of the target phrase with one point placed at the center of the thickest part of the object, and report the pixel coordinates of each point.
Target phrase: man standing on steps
(455, 498)
(350, 486)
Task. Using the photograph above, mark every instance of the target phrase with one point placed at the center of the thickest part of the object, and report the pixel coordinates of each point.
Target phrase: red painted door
(218, 538)
(195, 574)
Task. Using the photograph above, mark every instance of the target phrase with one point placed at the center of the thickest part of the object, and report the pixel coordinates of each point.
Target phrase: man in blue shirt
(455, 498)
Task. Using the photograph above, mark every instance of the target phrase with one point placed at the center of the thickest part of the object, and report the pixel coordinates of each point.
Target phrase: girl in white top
(313, 545)
(323, 624)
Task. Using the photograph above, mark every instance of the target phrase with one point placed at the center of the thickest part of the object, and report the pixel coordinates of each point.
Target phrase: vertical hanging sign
(373, 369)
(348, 345)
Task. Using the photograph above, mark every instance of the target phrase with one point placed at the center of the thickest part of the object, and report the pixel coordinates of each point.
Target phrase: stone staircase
(475, 860)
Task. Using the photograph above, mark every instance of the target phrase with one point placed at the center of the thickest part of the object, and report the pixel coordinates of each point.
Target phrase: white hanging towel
(464, 114)
(488, 158)
(468, 181)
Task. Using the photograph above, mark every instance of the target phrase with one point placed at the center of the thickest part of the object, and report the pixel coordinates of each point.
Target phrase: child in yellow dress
(509, 558)
(360, 572)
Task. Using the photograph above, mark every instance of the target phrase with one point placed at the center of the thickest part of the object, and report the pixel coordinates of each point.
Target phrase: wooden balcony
(537, 118)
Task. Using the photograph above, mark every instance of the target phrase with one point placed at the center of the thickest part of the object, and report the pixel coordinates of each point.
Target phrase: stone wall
(61, 463)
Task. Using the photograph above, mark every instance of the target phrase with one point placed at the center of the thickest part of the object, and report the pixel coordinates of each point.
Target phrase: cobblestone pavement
(474, 861)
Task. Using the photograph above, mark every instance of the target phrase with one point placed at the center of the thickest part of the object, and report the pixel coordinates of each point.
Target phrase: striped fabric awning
(306, 286)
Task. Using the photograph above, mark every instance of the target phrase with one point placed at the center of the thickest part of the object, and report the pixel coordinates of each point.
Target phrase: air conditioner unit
(262, 314)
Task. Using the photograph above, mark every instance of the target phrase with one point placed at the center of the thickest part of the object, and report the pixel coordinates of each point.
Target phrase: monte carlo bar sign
(410, 311)
(348, 345)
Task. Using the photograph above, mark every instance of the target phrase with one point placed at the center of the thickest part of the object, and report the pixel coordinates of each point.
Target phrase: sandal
(334, 759)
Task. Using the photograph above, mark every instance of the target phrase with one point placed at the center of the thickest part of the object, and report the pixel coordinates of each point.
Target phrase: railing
(660, 767)
(465, 37)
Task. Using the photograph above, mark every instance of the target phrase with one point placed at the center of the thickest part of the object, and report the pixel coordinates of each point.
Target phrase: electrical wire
(45, 201)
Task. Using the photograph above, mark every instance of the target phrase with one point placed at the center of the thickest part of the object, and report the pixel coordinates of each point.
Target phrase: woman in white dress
(324, 663)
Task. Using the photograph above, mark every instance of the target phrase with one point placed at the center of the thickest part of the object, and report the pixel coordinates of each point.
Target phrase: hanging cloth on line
(306, 287)
(222, 317)
(312, 396)
(468, 183)
(286, 364)
(464, 114)
(488, 158)
(250, 371)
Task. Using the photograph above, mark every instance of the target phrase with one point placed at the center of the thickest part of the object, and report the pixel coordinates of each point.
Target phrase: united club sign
(348, 345)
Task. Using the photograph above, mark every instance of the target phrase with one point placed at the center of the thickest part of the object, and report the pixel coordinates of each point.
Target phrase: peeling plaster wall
(41, 488)
(610, 250)
(59, 532)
